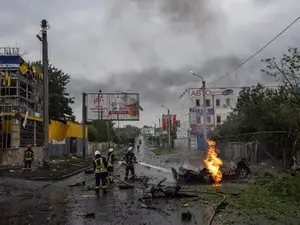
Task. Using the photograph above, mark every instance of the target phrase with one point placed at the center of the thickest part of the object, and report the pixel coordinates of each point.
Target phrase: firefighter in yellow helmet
(110, 164)
(100, 169)
(28, 157)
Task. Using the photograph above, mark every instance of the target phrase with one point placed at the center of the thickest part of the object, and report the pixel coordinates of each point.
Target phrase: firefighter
(100, 169)
(28, 157)
(110, 164)
(130, 160)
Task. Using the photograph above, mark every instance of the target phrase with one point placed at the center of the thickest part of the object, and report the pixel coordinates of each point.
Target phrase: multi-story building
(219, 103)
(20, 101)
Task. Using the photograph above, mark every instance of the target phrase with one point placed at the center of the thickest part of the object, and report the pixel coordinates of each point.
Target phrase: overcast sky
(149, 46)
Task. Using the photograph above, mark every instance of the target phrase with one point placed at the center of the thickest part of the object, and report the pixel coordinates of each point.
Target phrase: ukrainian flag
(23, 67)
(8, 80)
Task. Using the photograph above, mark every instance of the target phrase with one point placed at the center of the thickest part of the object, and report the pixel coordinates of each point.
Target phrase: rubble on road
(77, 184)
(186, 216)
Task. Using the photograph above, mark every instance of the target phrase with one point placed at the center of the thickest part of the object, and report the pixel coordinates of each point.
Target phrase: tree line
(269, 116)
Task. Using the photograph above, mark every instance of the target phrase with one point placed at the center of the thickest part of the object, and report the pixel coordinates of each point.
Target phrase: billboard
(112, 106)
(212, 91)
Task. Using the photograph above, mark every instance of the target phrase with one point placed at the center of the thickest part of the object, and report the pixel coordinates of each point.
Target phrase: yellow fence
(57, 130)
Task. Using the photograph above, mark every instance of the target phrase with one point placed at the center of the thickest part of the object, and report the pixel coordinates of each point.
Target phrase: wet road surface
(57, 203)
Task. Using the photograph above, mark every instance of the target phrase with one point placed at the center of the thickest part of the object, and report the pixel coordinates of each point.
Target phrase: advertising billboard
(212, 91)
(112, 106)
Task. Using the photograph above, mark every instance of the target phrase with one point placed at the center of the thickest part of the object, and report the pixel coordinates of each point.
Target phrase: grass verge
(270, 200)
(276, 199)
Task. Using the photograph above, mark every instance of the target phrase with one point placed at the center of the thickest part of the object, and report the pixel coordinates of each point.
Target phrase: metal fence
(271, 147)
(181, 144)
(232, 150)
(75, 146)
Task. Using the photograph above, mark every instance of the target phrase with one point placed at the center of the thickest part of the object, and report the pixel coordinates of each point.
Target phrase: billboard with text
(112, 106)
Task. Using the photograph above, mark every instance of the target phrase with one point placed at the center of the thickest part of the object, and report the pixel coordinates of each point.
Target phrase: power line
(260, 50)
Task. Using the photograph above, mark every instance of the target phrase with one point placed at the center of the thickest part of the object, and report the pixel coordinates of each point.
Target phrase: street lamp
(169, 127)
(204, 107)
(154, 132)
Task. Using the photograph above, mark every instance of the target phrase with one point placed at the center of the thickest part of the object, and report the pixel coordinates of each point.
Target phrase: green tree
(98, 131)
(260, 109)
(59, 98)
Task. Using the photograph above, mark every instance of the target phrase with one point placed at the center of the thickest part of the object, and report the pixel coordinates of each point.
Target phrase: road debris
(77, 184)
(90, 215)
(241, 171)
(186, 216)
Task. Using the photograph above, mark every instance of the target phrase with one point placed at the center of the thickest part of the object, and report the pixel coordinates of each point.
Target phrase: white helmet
(111, 150)
(97, 153)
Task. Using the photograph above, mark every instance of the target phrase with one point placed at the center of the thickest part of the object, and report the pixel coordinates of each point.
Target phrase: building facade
(20, 101)
(219, 103)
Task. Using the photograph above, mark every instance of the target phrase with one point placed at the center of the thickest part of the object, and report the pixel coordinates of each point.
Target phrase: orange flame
(213, 163)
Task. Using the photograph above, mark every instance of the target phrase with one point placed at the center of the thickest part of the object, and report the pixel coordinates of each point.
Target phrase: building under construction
(20, 101)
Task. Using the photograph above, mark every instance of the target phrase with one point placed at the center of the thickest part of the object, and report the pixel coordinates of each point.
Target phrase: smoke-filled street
(32, 202)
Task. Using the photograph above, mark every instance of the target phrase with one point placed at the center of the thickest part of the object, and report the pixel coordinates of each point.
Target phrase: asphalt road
(28, 202)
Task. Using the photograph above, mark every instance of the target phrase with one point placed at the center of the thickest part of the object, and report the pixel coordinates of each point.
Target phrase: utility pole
(83, 124)
(169, 130)
(108, 132)
(204, 108)
(44, 25)
(205, 114)
(155, 134)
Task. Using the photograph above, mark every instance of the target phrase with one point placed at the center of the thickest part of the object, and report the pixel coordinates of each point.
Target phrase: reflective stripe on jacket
(100, 167)
(28, 155)
(109, 161)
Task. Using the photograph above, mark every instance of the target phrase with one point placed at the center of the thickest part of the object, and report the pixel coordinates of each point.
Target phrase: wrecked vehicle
(241, 171)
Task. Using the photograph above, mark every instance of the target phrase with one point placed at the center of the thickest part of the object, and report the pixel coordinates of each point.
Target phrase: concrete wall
(15, 155)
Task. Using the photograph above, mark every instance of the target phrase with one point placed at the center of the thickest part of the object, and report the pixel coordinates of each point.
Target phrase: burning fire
(212, 162)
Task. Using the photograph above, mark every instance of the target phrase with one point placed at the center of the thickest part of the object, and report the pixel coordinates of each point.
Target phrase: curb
(73, 173)
(61, 177)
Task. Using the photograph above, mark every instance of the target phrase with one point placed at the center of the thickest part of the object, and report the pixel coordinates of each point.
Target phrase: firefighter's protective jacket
(130, 158)
(100, 164)
(110, 159)
(28, 155)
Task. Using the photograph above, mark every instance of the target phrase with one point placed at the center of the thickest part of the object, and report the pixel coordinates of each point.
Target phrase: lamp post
(154, 133)
(169, 127)
(204, 107)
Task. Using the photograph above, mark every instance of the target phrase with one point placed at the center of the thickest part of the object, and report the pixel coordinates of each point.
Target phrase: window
(207, 102)
(218, 102)
(197, 102)
(218, 119)
(228, 101)
(198, 119)
(208, 119)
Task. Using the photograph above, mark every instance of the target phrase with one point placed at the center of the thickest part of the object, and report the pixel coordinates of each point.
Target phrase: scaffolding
(20, 102)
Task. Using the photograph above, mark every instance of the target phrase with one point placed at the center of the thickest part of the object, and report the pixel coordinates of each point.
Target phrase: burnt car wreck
(240, 171)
